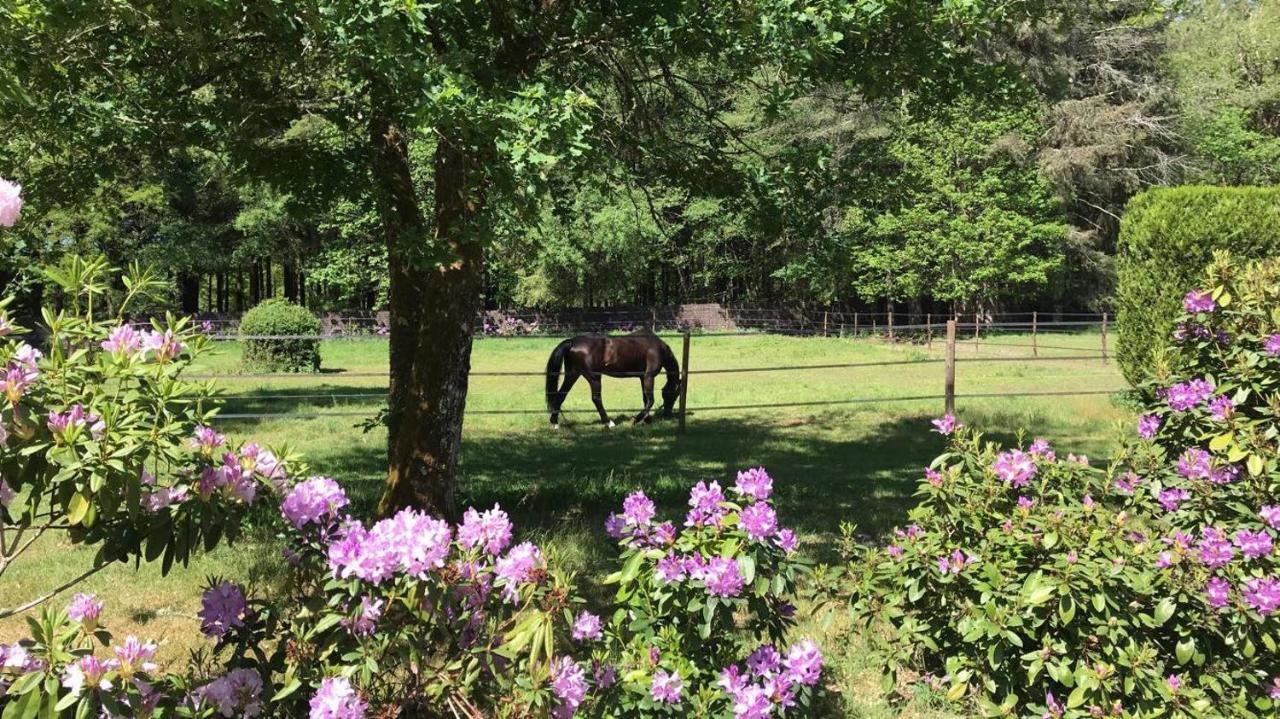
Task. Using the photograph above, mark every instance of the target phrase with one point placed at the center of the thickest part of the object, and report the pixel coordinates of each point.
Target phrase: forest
(1001, 192)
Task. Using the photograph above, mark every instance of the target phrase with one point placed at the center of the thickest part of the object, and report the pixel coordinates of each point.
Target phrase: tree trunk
(436, 284)
(290, 282)
(189, 284)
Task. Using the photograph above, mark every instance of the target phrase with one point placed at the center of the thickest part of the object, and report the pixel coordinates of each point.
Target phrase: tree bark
(189, 284)
(436, 281)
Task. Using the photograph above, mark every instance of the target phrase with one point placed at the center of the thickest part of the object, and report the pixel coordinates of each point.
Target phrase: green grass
(854, 463)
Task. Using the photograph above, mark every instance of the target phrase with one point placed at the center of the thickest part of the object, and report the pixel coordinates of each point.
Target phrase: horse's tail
(553, 371)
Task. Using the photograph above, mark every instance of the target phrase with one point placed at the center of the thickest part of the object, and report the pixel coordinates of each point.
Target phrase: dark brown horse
(641, 355)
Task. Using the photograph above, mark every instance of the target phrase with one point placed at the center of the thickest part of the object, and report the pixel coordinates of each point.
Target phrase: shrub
(273, 319)
(1167, 237)
(1034, 586)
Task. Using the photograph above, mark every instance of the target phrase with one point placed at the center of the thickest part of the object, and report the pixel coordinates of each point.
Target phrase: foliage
(96, 435)
(281, 337)
(1167, 238)
(1034, 586)
(709, 605)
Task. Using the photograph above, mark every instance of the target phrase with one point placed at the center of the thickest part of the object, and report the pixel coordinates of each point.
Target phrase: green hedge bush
(1167, 237)
(276, 317)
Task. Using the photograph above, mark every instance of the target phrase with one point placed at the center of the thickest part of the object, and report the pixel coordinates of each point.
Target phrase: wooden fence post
(977, 324)
(928, 329)
(1104, 337)
(824, 322)
(950, 390)
(855, 325)
(890, 321)
(1035, 349)
(684, 380)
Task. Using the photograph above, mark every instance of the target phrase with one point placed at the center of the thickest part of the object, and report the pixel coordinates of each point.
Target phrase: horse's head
(670, 393)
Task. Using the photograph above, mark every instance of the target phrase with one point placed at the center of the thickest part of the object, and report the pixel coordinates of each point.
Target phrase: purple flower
(786, 540)
(411, 542)
(1127, 483)
(518, 567)
(1054, 709)
(1274, 691)
(1215, 550)
(1174, 682)
(1270, 514)
(1173, 498)
(206, 440)
(946, 424)
(366, 621)
(705, 505)
(587, 627)
(1188, 395)
(123, 340)
(1198, 301)
(933, 476)
(755, 484)
(1042, 449)
(1273, 345)
(1025, 504)
(1224, 474)
(163, 497)
(1217, 592)
(6, 493)
(764, 661)
(1253, 544)
(1263, 595)
(1088, 503)
(85, 609)
(666, 687)
(1221, 407)
(491, 530)
(1014, 467)
(606, 675)
(1149, 426)
(894, 551)
(1195, 463)
(637, 509)
(759, 521)
(569, 684)
(720, 575)
(671, 569)
(314, 501)
(613, 526)
(336, 699)
(222, 608)
(955, 562)
(237, 694)
(804, 662)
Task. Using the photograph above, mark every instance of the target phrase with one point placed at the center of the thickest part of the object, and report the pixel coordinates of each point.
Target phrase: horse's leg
(594, 380)
(569, 378)
(646, 388)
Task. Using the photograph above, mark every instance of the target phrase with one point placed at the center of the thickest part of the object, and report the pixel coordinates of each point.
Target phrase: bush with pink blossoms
(101, 437)
(1029, 586)
(702, 611)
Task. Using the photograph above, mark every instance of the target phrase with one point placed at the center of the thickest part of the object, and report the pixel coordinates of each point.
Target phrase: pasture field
(856, 463)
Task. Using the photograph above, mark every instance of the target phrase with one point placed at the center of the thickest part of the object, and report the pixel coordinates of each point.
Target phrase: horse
(640, 355)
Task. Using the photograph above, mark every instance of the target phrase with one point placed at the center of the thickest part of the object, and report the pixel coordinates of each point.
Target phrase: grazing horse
(641, 355)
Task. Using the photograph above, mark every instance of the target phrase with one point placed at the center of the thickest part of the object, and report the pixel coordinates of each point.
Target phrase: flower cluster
(771, 681)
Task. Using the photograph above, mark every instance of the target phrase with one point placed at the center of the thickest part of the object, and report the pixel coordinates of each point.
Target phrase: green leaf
(1165, 610)
(1185, 650)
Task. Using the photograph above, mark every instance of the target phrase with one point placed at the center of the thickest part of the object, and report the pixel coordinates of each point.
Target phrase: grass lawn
(854, 463)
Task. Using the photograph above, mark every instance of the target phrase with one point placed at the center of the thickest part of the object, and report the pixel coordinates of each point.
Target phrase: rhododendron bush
(1030, 584)
(101, 437)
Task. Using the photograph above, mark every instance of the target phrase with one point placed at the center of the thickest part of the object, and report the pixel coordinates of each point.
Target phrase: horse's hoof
(555, 425)
(611, 425)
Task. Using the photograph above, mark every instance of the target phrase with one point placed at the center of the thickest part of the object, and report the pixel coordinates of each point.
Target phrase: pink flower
(6, 493)
(10, 202)
(490, 529)
(163, 497)
(804, 662)
(366, 621)
(85, 609)
(87, 671)
(135, 655)
(1042, 449)
(786, 540)
(1262, 594)
(336, 699)
(123, 340)
(720, 575)
(946, 424)
(1253, 544)
(1174, 682)
(705, 502)
(637, 509)
(759, 521)
(587, 627)
(236, 694)
(1014, 467)
(314, 501)
(1270, 514)
(206, 440)
(666, 687)
(518, 567)
(165, 345)
(569, 684)
(933, 476)
(1217, 592)
(755, 484)
(1127, 483)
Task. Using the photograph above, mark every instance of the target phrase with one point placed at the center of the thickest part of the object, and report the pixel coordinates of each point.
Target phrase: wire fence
(984, 337)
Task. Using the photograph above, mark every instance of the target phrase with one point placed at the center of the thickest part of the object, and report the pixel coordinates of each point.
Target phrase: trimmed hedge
(281, 317)
(1167, 237)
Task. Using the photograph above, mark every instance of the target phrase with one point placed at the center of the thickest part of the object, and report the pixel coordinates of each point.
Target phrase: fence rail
(951, 331)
